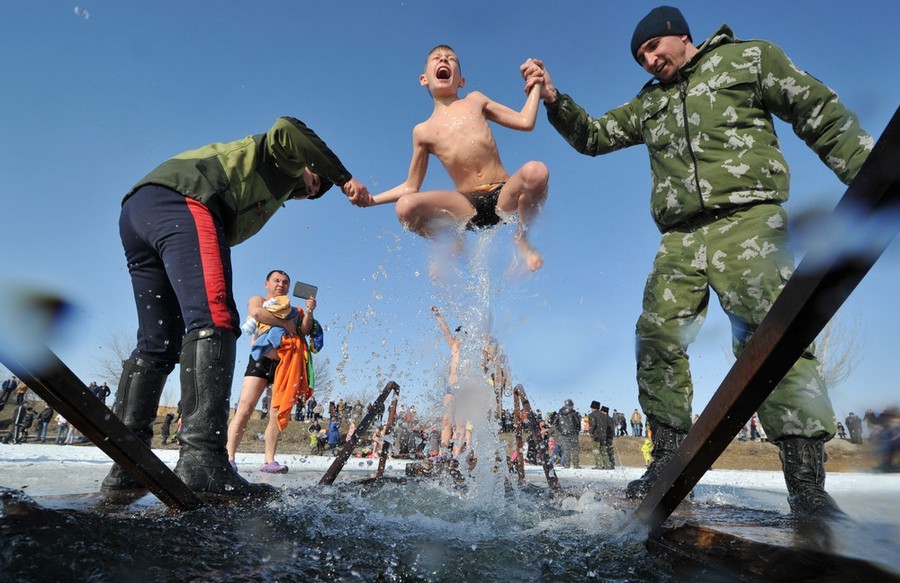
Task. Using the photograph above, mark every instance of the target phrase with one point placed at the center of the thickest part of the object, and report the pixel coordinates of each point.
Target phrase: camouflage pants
(601, 455)
(745, 259)
(571, 452)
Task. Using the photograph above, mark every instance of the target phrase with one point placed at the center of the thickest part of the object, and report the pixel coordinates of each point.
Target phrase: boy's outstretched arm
(517, 120)
(417, 168)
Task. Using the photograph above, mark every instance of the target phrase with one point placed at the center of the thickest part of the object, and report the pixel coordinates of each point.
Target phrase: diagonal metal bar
(819, 286)
(64, 391)
(344, 454)
(543, 454)
(385, 446)
(517, 414)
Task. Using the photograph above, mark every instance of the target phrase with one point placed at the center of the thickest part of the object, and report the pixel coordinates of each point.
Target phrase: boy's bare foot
(533, 259)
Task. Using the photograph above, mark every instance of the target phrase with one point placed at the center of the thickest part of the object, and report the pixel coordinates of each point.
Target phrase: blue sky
(97, 93)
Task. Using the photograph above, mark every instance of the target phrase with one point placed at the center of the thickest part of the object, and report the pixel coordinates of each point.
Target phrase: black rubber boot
(137, 401)
(803, 463)
(666, 441)
(207, 367)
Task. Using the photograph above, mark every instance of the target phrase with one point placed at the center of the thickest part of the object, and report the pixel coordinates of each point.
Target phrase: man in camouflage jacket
(718, 181)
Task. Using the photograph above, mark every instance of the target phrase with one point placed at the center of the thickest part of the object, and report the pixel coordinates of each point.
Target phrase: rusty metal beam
(64, 391)
(520, 457)
(819, 286)
(543, 455)
(344, 454)
(385, 446)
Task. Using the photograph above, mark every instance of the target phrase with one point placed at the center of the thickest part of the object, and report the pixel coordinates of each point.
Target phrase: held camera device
(304, 290)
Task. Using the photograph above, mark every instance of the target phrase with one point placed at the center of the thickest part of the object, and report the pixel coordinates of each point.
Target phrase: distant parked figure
(333, 437)
(842, 433)
(872, 424)
(44, 419)
(637, 424)
(568, 424)
(103, 392)
(21, 390)
(8, 386)
(598, 428)
(854, 427)
(62, 427)
(888, 439)
(166, 428)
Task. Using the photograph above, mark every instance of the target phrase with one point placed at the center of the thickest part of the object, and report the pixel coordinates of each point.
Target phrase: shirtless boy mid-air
(458, 134)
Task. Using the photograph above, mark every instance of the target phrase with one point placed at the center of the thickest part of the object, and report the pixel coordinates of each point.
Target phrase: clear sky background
(96, 94)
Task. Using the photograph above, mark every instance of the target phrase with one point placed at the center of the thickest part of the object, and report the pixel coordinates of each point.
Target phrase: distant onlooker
(333, 437)
(637, 424)
(610, 448)
(299, 411)
(21, 390)
(647, 448)
(842, 433)
(311, 407)
(62, 426)
(854, 427)
(8, 386)
(43, 422)
(103, 391)
(568, 424)
(70, 434)
(316, 439)
(888, 439)
(872, 423)
(24, 421)
(598, 427)
(166, 430)
(754, 428)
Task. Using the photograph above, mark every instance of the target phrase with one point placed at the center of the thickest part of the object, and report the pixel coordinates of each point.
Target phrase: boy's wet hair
(445, 47)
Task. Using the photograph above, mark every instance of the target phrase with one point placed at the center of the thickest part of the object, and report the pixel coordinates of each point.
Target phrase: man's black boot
(803, 463)
(666, 441)
(137, 401)
(207, 367)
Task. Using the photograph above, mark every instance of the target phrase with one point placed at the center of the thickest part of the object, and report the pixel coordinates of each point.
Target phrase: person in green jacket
(177, 226)
(718, 182)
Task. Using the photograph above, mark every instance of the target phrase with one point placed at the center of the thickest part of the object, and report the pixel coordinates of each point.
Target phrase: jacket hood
(722, 36)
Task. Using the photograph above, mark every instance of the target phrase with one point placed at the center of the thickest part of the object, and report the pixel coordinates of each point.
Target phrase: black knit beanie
(661, 21)
(324, 185)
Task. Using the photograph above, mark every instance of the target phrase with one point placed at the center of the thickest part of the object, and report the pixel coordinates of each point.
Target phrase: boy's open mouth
(443, 73)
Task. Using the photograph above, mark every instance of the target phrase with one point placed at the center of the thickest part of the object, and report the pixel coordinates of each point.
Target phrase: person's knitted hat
(661, 21)
(595, 404)
(324, 185)
(301, 193)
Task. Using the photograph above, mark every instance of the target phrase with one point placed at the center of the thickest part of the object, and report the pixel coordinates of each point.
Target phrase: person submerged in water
(458, 134)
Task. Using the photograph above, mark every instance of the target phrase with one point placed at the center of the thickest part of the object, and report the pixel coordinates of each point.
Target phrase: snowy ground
(52, 470)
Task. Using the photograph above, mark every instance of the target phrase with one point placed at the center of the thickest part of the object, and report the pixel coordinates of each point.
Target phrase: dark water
(396, 531)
